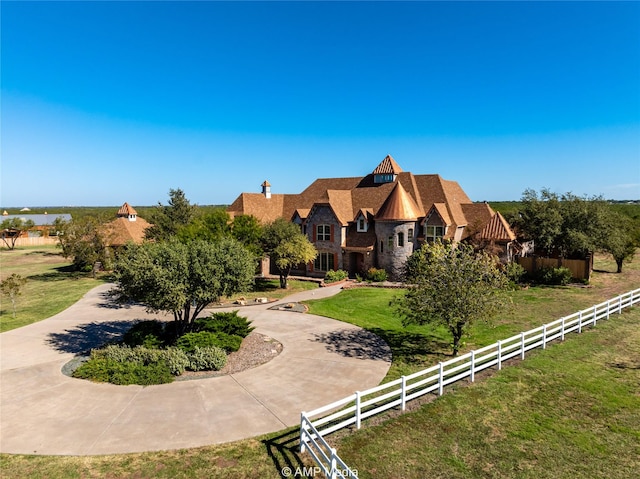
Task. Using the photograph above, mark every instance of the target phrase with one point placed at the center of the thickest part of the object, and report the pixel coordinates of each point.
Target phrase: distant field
(106, 212)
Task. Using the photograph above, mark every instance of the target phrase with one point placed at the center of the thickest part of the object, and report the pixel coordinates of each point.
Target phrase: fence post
(303, 440)
(562, 330)
(499, 355)
(358, 420)
(544, 336)
(522, 346)
(403, 399)
(595, 314)
(580, 322)
(441, 385)
(620, 302)
(334, 465)
(473, 365)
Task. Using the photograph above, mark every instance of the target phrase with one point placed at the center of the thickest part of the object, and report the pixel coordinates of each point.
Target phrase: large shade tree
(453, 286)
(182, 279)
(287, 247)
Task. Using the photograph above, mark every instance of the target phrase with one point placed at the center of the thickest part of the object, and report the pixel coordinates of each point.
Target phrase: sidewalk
(42, 411)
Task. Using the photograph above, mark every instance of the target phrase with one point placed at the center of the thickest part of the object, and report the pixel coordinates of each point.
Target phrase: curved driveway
(42, 411)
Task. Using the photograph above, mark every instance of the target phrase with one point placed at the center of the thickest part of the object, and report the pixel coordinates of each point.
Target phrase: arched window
(400, 240)
(410, 234)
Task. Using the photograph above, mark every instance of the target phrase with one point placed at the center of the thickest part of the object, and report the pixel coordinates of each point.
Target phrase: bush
(514, 272)
(225, 322)
(149, 334)
(376, 275)
(175, 359)
(115, 372)
(335, 276)
(209, 358)
(553, 276)
(190, 341)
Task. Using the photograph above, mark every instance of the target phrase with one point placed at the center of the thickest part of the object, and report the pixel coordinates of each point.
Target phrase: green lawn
(570, 411)
(51, 285)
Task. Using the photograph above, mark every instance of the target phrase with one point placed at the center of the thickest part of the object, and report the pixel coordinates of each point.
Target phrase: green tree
(168, 219)
(182, 279)
(621, 239)
(287, 247)
(12, 287)
(567, 225)
(248, 230)
(12, 229)
(85, 242)
(453, 286)
(210, 227)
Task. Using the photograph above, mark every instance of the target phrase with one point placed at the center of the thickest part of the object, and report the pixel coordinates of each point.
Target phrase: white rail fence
(352, 409)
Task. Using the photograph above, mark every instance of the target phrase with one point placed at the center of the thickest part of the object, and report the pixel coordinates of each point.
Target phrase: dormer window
(362, 225)
(384, 178)
(433, 233)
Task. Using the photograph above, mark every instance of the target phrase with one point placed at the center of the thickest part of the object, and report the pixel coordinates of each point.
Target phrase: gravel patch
(256, 349)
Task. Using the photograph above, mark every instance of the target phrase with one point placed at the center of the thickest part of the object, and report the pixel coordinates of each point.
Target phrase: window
(323, 233)
(381, 246)
(390, 242)
(400, 240)
(434, 232)
(324, 262)
(362, 225)
(410, 235)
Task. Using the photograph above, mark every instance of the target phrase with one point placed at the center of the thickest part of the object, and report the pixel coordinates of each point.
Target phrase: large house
(378, 220)
(127, 227)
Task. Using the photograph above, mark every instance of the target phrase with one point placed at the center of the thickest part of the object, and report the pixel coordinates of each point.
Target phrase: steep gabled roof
(126, 210)
(399, 206)
(498, 229)
(387, 166)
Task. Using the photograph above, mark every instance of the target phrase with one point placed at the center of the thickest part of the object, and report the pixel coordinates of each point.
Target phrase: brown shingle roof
(348, 196)
(121, 231)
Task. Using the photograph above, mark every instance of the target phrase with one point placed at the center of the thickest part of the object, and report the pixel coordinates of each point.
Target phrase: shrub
(145, 333)
(176, 359)
(190, 341)
(124, 373)
(514, 272)
(335, 276)
(553, 276)
(207, 358)
(225, 322)
(376, 275)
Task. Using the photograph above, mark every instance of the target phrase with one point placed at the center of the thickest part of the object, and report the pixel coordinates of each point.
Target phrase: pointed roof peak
(387, 166)
(399, 206)
(126, 210)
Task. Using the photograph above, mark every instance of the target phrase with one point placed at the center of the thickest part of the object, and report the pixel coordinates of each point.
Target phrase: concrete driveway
(42, 411)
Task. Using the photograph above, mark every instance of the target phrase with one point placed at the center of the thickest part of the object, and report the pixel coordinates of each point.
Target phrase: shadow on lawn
(60, 273)
(284, 451)
(85, 337)
(355, 343)
(408, 346)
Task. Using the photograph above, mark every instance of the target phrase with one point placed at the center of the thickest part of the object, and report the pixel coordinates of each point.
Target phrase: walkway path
(42, 411)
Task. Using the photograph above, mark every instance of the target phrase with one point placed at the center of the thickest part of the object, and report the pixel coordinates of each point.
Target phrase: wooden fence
(36, 241)
(580, 268)
(351, 410)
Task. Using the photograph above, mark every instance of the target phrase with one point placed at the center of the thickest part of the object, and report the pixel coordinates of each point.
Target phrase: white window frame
(362, 224)
(433, 232)
(325, 259)
(323, 232)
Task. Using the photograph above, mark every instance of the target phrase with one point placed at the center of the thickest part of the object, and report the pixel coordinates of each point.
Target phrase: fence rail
(352, 409)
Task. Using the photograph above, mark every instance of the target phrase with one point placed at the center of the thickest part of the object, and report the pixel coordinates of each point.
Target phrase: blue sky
(106, 102)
